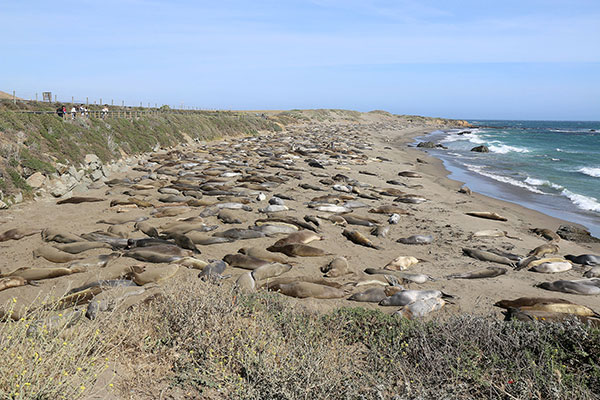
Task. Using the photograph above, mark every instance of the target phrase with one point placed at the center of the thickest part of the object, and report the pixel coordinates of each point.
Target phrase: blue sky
(525, 59)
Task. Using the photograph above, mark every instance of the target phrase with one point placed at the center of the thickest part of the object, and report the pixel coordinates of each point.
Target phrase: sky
(470, 59)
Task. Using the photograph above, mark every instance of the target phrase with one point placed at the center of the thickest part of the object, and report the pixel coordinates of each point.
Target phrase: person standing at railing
(60, 111)
(104, 112)
(73, 112)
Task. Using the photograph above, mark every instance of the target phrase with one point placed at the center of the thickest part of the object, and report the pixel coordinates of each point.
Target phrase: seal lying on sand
(487, 215)
(489, 272)
(584, 287)
(302, 290)
(16, 234)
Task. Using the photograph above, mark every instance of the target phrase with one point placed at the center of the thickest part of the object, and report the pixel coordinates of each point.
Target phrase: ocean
(548, 166)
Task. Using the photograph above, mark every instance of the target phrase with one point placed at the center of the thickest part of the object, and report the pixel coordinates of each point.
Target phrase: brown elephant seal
(229, 217)
(548, 248)
(389, 210)
(243, 261)
(416, 239)
(264, 254)
(401, 263)
(144, 275)
(158, 254)
(465, 190)
(546, 234)
(146, 229)
(16, 234)
(236, 233)
(54, 235)
(271, 270)
(406, 297)
(545, 316)
(183, 241)
(80, 247)
(100, 261)
(489, 272)
(574, 309)
(55, 255)
(122, 219)
(302, 237)
(38, 274)
(529, 301)
(336, 267)
(409, 174)
(109, 300)
(303, 290)
(119, 230)
(380, 231)
(487, 215)
(358, 238)
(245, 283)
(297, 249)
(79, 200)
(421, 308)
(213, 271)
(373, 295)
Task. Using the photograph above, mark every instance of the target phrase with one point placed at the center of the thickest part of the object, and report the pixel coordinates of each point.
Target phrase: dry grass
(198, 340)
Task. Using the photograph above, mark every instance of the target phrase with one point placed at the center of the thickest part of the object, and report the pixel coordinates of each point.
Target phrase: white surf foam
(504, 179)
(541, 182)
(504, 148)
(595, 172)
(581, 201)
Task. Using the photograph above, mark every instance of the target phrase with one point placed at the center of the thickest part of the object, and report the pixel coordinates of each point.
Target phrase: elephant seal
(389, 210)
(119, 230)
(271, 270)
(584, 259)
(144, 275)
(157, 254)
(243, 261)
(545, 316)
(380, 231)
(409, 174)
(356, 220)
(546, 234)
(574, 309)
(80, 247)
(79, 200)
(373, 295)
(593, 272)
(489, 272)
(229, 217)
(303, 290)
(416, 239)
(493, 233)
(109, 300)
(206, 240)
(487, 256)
(16, 234)
(529, 301)
(146, 229)
(100, 261)
(297, 249)
(183, 241)
(213, 271)
(487, 215)
(548, 248)
(302, 237)
(401, 263)
(406, 297)
(122, 219)
(54, 235)
(236, 233)
(54, 255)
(245, 283)
(264, 254)
(359, 238)
(11, 282)
(573, 287)
(336, 267)
(552, 267)
(421, 308)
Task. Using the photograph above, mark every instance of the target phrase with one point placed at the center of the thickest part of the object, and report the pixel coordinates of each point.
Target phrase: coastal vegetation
(197, 339)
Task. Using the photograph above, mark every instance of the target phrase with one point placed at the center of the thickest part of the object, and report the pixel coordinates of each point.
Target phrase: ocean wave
(581, 201)
(595, 172)
(471, 137)
(541, 182)
(504, 148)
(504, 179)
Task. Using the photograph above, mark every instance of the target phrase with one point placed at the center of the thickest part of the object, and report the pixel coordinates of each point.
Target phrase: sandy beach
(372, 151)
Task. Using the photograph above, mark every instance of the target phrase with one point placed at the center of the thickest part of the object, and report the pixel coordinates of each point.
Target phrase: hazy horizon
(532, 60)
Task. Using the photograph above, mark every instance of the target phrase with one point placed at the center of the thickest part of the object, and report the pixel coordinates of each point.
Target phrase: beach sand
(442, 216)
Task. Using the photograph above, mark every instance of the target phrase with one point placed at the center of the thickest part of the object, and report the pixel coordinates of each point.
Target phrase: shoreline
(488, 187)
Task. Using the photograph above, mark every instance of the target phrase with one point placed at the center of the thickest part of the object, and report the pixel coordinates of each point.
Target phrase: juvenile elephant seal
(593, 272)
(100, 261)
(157, 254)
(380, 231)
(303, 290)
(548, 248)
(297, 249)
(546, 234)
(552, 267)
(236, 233)
(145, 275)
(421, 308)
(11, 282)
(487, 215)
(245, 283)
(573, 287)
(406, 297)
(146, 229)
(493, 233)
(80, 247)
(229, 217)
(401, 263)
(54, 255)
(54, 235)
(409, 174)
(214, 270)
(359, 238)
(416, 239)
(206, 240)
(336, 267)
(122, 219)
(389, 210)
(119, 230)
(79, 200)
(109, 300)
(243, 261)
(529, 301)
(264, 254)
(574, 309)
(271, 270)
(489, 272)
(584, 259)
(37, 274)
(302, 237)
(487, 256)
(16, 234)
(373, 295)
